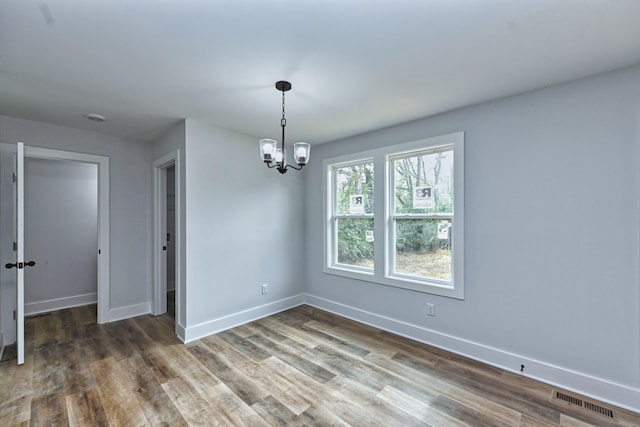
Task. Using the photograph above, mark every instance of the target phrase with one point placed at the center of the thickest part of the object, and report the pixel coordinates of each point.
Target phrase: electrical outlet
(431, 309)
(265, 289)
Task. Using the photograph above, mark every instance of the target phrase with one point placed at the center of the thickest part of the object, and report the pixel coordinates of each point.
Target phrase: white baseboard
(121, 313)
(59, 303)
(180, 332)
(211, 327)
(597, 388)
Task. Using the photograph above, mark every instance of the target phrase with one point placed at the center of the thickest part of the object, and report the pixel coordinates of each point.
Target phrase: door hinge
(15, 246)
(15, 178)
(14, 315)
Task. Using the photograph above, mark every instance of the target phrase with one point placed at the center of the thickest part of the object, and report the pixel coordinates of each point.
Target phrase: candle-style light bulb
(267, 149)
(301, 152)
(279, 156)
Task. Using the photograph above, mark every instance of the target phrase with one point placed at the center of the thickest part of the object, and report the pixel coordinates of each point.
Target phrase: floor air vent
(589, 406)
(599, 409)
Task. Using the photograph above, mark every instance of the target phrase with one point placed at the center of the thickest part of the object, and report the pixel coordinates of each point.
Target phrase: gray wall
(244, 225)
(551, 228)
(130, 199)
(61, 232)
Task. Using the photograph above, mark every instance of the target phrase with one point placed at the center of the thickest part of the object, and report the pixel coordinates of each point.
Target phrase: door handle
(20, 265)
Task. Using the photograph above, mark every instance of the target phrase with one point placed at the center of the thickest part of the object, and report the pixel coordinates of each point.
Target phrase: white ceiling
(355, 65)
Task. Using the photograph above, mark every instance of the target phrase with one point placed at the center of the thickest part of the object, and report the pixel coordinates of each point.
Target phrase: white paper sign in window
(423, 198)
(368, 235)
(443, 229)
(356, 204)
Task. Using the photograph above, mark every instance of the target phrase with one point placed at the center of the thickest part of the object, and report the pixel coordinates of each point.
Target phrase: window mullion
(422, 216)
(380, 212)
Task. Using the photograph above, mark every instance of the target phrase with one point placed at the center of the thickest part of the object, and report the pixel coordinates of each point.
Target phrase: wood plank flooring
(301, 367)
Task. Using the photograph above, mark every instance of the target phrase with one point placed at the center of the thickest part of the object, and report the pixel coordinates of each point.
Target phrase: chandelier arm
(293, 167)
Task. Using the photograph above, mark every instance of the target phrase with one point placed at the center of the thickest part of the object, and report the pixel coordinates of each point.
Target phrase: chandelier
(275, 157)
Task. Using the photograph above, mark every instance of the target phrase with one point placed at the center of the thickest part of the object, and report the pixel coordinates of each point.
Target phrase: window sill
(416, 285)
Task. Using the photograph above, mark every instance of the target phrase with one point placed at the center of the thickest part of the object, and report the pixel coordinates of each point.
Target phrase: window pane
(354, 189)
(423, 248)
(355, 241)
(423, 183)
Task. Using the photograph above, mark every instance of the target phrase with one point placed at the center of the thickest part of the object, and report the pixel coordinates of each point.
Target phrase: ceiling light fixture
(275, 157)
(95, 117)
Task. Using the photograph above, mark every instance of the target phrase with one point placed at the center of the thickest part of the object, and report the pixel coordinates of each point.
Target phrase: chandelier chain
(283, 121)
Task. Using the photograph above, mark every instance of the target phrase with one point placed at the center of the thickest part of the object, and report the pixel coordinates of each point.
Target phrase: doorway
(171, 239)
(168, 291)
(12, 230)
(61, 234)
(103, 247)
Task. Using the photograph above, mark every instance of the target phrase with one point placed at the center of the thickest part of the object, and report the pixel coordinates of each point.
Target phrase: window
(352, 216)
(402, 225)
(422, 213)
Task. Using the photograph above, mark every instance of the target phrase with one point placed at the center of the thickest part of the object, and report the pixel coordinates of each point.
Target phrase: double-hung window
(402, 223)
(352, 215)
(421, 214)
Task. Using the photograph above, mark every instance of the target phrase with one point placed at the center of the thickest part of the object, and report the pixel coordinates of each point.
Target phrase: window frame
(384, 217)
(393, 217)
(334, 216)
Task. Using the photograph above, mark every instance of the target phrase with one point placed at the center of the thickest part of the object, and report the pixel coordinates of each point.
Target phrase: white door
(16, 263)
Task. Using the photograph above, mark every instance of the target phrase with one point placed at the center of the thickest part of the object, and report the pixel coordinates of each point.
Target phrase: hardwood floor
(300, 367)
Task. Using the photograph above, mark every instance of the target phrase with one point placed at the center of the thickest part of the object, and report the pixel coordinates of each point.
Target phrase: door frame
(103, 250)
(159, 235)
(19, 209)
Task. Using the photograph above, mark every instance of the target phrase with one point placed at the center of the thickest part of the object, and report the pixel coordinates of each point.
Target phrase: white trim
(330, 240)
(159, 301)
(587, 385)
(104, 285)
(220, 324)
(20, 252)
(180, 331)
(129, 311)
(47, 306)
(159, 239)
